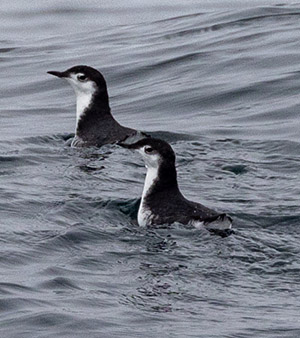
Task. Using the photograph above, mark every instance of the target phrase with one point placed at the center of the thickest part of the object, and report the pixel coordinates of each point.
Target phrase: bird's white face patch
(84, 90)
(151, 159)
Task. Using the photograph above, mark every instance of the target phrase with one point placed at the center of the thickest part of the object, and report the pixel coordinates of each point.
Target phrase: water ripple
(220, 83)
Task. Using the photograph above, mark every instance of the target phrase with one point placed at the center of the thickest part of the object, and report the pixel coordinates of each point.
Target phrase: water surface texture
(221, 83)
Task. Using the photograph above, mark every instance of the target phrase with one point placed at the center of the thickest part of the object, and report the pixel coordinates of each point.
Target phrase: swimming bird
(95, 125)
(162, 202)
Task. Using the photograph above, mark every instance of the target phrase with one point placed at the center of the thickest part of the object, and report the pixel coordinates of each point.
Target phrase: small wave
(13, 161)
(6, 50)
(59, 283)
(236, 169)
(239, 19)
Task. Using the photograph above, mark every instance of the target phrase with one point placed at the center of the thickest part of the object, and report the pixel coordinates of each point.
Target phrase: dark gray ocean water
(221, 83)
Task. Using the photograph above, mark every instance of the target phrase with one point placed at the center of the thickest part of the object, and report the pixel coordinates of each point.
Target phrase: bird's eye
(81, 78)
(148, 150)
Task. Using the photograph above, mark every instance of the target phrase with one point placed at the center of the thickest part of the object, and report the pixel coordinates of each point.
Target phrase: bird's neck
(159, 181)
(83, 102)
(92, 109)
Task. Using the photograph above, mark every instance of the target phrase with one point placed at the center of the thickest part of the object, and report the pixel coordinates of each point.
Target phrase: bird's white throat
(151, 176)
(83, 101)
(144, 213)
(84, 94)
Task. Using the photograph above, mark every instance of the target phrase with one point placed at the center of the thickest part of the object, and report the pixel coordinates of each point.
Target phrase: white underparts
(220, 224)
(144, 213)
(197, 224)
(217, 224)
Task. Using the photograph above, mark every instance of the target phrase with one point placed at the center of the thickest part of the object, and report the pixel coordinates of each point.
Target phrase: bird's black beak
(128, 143)
(125, 145)
(58, 74)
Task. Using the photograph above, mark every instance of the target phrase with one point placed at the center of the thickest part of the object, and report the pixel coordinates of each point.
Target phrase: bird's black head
(78, 76)
(90, 89)
(155, 152)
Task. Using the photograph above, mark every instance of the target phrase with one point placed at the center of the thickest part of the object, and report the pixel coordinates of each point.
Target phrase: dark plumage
(164, 199)
(96, 125)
